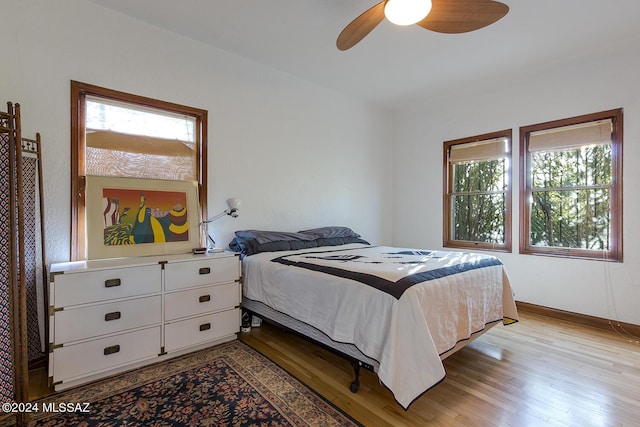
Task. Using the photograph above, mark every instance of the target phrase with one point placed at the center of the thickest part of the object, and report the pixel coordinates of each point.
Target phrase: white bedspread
(406, 333)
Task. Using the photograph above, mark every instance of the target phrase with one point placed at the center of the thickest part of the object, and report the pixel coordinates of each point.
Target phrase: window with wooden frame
(119, 134)
(477, 192)
(571, 187)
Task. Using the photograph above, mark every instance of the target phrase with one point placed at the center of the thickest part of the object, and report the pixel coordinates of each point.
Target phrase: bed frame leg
(355, 385)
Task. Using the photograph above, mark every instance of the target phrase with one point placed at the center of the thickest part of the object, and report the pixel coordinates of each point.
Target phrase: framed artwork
(138, 217)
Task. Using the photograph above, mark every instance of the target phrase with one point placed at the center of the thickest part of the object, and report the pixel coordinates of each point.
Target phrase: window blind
(489, 149)
(119, 154)
(131, 140)
(139, 144)
(571, 137)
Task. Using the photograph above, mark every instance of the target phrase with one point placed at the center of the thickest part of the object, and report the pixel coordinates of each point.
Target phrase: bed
(396, 311)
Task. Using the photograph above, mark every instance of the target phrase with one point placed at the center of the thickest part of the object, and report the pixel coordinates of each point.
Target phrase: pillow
(249, 242)
(251, 246)
(262, 236)
(331, 231)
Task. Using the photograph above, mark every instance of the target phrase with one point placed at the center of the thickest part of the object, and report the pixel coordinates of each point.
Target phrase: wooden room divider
(23, 278)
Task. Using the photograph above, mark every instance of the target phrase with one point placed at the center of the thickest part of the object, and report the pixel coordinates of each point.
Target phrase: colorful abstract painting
(144, 216)
(132, 217)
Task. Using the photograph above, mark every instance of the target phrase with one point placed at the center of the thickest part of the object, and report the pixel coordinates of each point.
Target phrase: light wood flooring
(538, 372)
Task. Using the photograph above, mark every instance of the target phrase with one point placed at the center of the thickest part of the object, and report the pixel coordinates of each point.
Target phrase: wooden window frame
(615, 252)
(448, 185)
(79, 92)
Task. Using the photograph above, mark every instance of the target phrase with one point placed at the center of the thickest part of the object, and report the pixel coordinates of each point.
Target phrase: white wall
(297, 155)
(582, 84)
(302, 156)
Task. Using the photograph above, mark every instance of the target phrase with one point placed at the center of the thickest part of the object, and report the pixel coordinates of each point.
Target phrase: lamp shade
(406, 12)
(233, 203)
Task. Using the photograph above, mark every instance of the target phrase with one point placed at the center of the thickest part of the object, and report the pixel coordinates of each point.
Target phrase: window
(123, 139)
(571, 187)
(477, 205)
(118, 134)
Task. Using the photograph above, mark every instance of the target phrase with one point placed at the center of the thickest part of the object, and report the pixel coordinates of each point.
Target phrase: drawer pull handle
(111, 350)
(205, 298)
(205, 327)
(111, 283)
(115, 315)
(204, 270)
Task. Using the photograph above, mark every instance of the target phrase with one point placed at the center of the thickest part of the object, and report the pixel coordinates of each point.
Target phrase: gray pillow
(330, 232)
(262, 236)
(250, 246)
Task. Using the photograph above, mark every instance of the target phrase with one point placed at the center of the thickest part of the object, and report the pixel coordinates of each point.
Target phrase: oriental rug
(227, 385)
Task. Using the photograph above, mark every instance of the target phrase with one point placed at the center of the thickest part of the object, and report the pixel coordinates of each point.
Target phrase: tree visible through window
(477, 207)
(571, 187)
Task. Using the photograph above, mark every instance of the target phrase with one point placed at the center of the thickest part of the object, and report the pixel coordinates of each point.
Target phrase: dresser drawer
(98, 355)
(92, 321)
(209, 270)
(186, 333)
(192, 302)
(100, 285)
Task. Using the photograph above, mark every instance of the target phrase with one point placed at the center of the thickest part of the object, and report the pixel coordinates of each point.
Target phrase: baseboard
(582, 319)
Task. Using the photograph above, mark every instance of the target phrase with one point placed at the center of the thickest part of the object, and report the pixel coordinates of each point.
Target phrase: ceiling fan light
(406, 12)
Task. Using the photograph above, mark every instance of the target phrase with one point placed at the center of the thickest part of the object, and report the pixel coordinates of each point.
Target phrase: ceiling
(392, 65)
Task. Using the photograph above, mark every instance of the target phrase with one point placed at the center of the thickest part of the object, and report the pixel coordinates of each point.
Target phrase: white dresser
(108, 316)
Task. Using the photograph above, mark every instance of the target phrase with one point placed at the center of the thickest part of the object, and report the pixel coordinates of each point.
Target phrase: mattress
(402, 308)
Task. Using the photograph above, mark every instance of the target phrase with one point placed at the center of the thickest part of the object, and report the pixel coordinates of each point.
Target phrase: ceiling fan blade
(462, 16)
(361, 26)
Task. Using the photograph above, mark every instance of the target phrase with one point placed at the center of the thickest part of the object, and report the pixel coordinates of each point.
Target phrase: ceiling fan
(442, 16)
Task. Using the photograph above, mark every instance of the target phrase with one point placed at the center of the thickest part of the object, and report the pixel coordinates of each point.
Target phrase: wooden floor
(39, 384)
(538, 372)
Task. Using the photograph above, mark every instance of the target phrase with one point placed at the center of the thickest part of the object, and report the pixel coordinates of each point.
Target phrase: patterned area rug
(228, 385)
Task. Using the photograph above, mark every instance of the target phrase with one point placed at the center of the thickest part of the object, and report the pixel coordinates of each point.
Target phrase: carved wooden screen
(35, 277)
(7, 139)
